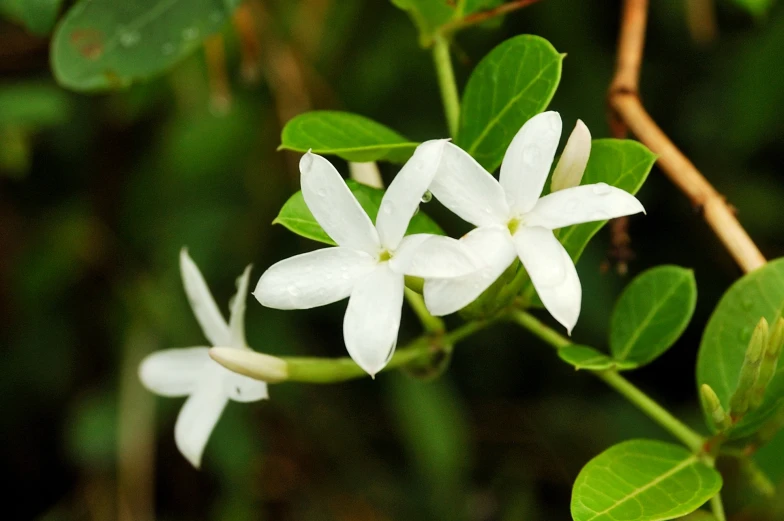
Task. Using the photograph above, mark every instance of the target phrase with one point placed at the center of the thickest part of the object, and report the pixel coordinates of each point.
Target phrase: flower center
(514, 224)
(384, 256)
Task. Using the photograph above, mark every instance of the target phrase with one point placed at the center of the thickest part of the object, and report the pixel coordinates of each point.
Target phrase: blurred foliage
(99, 192)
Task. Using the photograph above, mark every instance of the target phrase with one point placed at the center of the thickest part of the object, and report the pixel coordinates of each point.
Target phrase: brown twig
(629, 113)
(482, 16)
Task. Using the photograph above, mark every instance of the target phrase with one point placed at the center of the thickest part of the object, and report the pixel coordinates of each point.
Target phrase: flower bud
(750, 370)
(712, 404)
(770, 360)
(258, 366)
(570, 168)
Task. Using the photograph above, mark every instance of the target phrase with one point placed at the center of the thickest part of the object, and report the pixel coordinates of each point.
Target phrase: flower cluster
(369, 263)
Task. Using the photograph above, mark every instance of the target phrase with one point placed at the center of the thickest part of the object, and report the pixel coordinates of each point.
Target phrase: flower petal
(494, 246)
(527, 161)
(313, 279)
(570, 168)
(463, 186)
(372, 318)
(404, 194)
(207, 314)
(334, 206)
(197, 419)
(582, 204)
(174, 372)
(552, 273)
(238, 387)
(432, 256)
(237, 310)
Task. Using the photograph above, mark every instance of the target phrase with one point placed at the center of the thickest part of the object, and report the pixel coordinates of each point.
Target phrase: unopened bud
(750, 370)
(770, 360)
(258, 366)
(712, 404)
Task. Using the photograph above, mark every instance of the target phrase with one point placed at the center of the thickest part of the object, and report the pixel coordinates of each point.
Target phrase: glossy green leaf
(585, 357)
(40, 15)
(349, 136)
(652, 313)
(296, 216)
(514, 82)
(642, 480)
(428, 15)
(723, 347)
(105, 44)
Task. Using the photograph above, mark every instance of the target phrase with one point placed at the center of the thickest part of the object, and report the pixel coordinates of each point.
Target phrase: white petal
(463, 186)
(334, 206)
(240, 388)
(313, 279)
(552, 273)
(404, 194)
(582, 204)
(207, 314)
(527, 160)
(495, 247)
(174, 372)
(433, 256)
(197, 418)
(373, 318)
(237, 307)
(570, 168)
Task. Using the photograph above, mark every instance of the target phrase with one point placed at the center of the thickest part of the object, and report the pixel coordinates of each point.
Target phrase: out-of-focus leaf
(471, 6)
(33, 104)
(428, 15)
(699, 515)
(349, 136)
(40, 15)
(514, 82)
(92, 431)
(723, 347)
(642, 480)
(651, 313)
(585, 357)
(755, 7)
(104, 44)
(297, 217)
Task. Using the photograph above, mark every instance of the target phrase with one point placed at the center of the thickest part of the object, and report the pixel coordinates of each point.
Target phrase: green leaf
(514, 82)
(723, 347)
(349, 136)
(642, 480)
(427, 15)
(652, 313)
(40, 15)
(699, 515)
(34, 104)
(105, 44)
(755, 7)
(296, 216)
(584, 357)
(621, 163)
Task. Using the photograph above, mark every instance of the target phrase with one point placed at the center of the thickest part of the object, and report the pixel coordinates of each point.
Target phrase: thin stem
(429, 322)
(624, 387)
(447, 83)
(718, 507)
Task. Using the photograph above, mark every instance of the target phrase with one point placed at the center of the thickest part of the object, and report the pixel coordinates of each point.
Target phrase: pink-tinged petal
(313, 279)
(204, 307)
(174, 372)
(404, 194)
(463, 186)
(528, 159)
(552, 272)
(372, 318)
(197, 419)
(582, 204)
(334, 206)
(570, 168)
(494, 247)
(433, 256)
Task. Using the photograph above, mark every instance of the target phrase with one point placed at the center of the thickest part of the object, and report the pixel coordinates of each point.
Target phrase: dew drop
(293, 290)
(427, 196)
(129, 38)
(191, 33)
(601, 189)
(387, 207)
(321, 192)
(532, 155)
(168, 48)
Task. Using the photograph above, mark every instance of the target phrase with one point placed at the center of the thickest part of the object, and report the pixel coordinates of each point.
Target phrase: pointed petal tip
(306, 162)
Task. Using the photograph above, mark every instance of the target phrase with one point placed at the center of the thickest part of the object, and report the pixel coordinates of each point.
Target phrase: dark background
(98, 194)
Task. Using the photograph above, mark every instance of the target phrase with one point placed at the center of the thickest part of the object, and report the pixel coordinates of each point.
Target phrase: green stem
(718, 508)
(447, 83)
(429, 322)
(612, 378)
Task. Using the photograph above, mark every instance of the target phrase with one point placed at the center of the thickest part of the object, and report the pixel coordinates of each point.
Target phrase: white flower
(191, 372)
(369, 263)
(513, 221)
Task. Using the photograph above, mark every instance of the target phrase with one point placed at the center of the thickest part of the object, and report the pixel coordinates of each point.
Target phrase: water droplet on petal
(532, 155)
(321, 192)
(601, 189)
(427, 196)
(387, 207)
(129, 38)
(293, 290)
